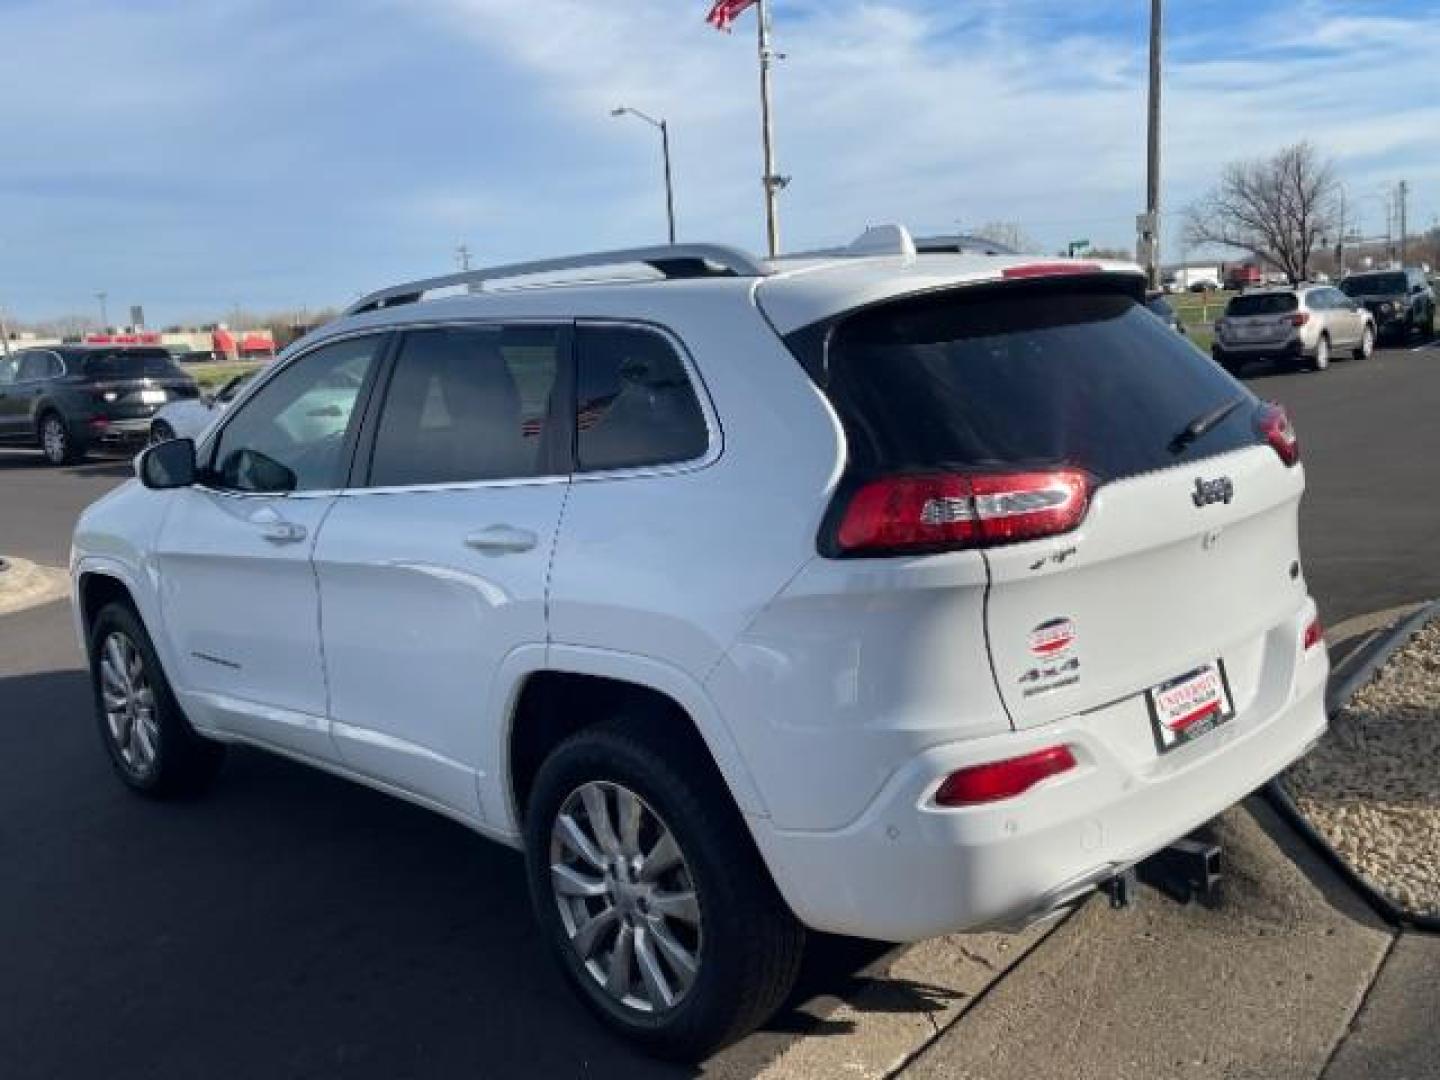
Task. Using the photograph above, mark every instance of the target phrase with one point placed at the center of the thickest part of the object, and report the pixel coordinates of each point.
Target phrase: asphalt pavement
(292, 924)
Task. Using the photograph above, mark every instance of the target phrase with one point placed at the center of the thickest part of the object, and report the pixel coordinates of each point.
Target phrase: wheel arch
(539, 712)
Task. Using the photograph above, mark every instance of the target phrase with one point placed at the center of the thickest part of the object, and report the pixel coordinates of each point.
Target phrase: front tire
(1367, 345)
(55, 441)
(659, 909)
(149, 742)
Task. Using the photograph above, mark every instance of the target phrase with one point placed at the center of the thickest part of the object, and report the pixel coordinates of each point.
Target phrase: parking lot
(292, 924)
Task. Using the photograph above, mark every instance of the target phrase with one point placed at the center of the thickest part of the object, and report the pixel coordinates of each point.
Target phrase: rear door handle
(275, 528)
(501, 540)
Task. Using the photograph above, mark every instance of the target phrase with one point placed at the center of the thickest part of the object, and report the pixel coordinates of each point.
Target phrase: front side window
(636, 406)
(469, 403)
(292, 434)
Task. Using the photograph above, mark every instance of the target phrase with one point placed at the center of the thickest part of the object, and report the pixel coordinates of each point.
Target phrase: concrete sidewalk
(1276, 983)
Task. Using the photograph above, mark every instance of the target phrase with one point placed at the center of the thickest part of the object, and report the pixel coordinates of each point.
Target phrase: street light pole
(104, 315)
(663, 127)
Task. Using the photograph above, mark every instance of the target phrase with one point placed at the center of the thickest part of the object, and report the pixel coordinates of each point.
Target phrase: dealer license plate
(1187, 707)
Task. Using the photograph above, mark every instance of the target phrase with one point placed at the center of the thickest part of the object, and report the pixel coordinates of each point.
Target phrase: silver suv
(1304, 325)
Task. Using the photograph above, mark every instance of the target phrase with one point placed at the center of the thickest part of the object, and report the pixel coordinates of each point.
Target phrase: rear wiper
(1206, 421)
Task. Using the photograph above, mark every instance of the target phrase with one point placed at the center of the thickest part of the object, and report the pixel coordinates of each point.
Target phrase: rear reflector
(996, 780)
(946, 511)
(1273, 423)
(1314, 633)
(1050, 269)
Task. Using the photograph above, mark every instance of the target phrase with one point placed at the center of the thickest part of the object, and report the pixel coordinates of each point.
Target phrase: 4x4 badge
(1212, 491)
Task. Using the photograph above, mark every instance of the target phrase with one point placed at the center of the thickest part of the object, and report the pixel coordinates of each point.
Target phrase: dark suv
(65, 399)
(1400, 300)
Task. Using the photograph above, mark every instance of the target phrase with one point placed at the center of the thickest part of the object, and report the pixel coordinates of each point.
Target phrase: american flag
(726, 12)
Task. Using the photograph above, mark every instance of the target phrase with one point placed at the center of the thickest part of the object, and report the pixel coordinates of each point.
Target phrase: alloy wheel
(627, 898)
(128, 699)
(53, 440)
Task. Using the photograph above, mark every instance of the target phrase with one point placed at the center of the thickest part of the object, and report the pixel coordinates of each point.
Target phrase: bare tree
(1009, 233)
(1280, 209)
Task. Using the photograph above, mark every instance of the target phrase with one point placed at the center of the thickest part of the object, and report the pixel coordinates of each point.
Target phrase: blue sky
(194, 156)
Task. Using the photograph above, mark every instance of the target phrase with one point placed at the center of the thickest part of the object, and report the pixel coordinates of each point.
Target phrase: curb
(1385, 646)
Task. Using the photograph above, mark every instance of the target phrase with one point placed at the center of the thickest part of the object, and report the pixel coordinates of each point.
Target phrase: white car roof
(792, 291)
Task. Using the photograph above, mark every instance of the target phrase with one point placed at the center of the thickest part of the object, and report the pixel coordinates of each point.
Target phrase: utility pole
(773, 183)
(1150, 234)
(462, 256)
(1340, 240)
(1403, 193)
(104, 315)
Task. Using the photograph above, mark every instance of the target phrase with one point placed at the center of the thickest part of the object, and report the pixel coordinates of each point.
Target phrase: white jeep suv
(883, 594)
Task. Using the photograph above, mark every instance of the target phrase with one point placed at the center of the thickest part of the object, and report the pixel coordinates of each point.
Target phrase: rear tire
(149, 742)
(744, 946)
(1321, 360)
(1366, 348)
(56, 442)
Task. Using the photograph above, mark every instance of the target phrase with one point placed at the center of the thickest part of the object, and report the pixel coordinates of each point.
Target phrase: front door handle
(501, 540)
(275, 528)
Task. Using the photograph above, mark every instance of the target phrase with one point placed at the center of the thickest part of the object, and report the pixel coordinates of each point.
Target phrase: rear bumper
(908, 869)
(1256, 350)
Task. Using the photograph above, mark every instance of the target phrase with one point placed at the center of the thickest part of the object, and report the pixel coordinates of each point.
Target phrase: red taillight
(1274, 424)
(1314, 633)
(997, 780)
(943, 511)
(1300, 318)
(1051, 269)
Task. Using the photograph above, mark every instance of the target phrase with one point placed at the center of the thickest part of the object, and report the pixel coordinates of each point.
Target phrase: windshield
(1015, 377)
(1373, 284)
(131, 364)
(1262, 304)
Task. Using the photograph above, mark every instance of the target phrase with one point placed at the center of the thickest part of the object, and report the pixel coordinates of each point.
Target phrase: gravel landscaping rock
(1372, 786)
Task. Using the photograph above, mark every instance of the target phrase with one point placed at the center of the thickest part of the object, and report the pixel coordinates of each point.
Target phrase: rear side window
(1373, 284)
(1013, 377)
(1262, 304)
(132, 364)
(468, 403)
(635, 403)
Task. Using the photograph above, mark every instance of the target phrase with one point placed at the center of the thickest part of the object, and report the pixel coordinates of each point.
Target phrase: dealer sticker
(1186, 707)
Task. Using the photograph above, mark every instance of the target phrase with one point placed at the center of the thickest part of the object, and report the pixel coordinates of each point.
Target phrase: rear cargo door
(1187, 554)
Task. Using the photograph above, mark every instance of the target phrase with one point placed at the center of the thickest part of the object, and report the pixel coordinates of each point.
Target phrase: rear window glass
(1262, 304)
(131, 364)
(1373, 284)
(635, 404)
(1023, 377)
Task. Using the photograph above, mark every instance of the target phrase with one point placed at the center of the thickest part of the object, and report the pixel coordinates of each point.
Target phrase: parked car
(886, 595)
(189, 417)
(1402, 301)
(1160, 307)
(1242, 276)
(1302, 325)
(66, 399)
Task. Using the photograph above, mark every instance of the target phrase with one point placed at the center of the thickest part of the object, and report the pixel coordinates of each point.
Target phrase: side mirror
(167, 465)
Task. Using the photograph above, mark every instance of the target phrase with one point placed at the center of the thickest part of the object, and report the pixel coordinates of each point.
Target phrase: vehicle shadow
(107, 464)
(289, 923)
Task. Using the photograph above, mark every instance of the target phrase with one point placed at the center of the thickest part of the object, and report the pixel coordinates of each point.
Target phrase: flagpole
(772, 183)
